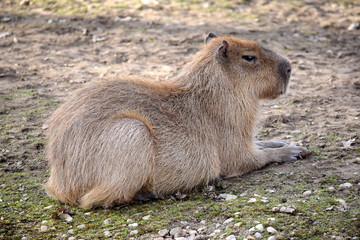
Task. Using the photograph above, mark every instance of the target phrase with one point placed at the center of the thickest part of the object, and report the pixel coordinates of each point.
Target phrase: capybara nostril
(284, 69)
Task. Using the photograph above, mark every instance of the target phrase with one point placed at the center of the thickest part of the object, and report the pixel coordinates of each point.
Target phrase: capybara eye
(249, 58)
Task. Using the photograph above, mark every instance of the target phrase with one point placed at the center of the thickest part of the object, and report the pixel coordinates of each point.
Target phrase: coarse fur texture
(114, 140)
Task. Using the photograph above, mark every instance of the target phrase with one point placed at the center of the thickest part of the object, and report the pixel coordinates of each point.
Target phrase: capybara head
(253, 68)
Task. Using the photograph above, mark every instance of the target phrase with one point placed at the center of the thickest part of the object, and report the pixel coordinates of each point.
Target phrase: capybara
(115, 141)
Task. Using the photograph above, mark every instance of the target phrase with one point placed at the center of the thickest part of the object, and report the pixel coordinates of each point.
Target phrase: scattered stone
(252, 230)
(25, 3)
(5, 34)
(259, 227)
(66, 217)
(227, 197)
(237, 225)
(180, 238)
(71, 231)
(271, 230)
(250, 238)
(98, 39)
(200, 237)
(43, 228)
(163, 232)
(343, 207)
(229, 220)
(133, 225)
(347, 144)
(258, 235)
(329, 208)
(345, 186)
(251, 200)
(107, 233)
(231, 237)
(48, 207)
(6, 19)
(81, 226)
(272, 238)
(158, 238)
(202, 229)
(72, 238)
(353, 26)
(203, 222)
(307, 193)
(284, 209)
(175, 230)
(146, 217)
(107, 221)
(331, 189)
(134, 232)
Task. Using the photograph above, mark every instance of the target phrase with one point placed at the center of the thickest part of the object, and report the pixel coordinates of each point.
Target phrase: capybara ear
(209, 37)
(223, 49)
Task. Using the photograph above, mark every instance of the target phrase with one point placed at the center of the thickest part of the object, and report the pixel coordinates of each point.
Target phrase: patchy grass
(25, 208)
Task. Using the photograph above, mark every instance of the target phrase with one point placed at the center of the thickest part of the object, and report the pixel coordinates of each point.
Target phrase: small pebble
(107, 233)
(227, 197)
(72, 238)
(272, 238)
(81, 226)
(345, 186)
(251, 230)
(271, 230)
(175, 231)
(249, 238)
(71, 231)
(259, 227)
(158, 238)
(229, 220)
(237, 225)
(307, 193)
(48, 207)
(43, 228)
(251, 200)
(258, 235)
(331, 189)
(66, 216)
(133, 225)
(180, 238)
(203, 222)
(231, 237)
(107, 221)
(146, 217)
(134, 232)
(163, 232)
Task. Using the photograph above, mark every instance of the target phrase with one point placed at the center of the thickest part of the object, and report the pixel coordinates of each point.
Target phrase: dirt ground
(49, 49)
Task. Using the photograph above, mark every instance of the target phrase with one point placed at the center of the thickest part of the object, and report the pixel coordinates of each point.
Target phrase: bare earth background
(50, 48)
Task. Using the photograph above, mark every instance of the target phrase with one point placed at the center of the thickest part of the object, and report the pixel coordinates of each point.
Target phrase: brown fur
(114, 139)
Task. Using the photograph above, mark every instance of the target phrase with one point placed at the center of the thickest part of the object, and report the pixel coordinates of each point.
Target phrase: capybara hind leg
(127, 164)
(103, 197)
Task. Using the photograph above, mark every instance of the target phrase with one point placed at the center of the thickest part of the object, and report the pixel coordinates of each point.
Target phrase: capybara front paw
(291, 152)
